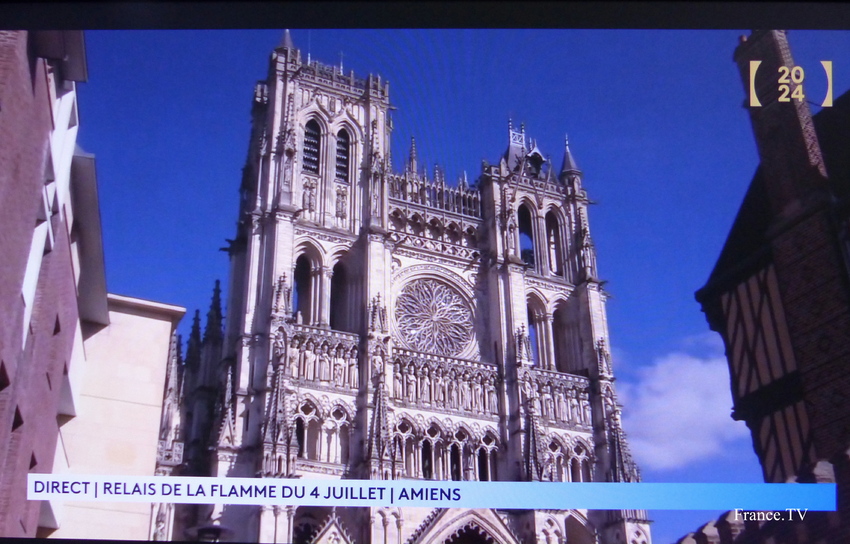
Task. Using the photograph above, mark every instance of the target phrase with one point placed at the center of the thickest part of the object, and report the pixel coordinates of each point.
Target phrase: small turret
(411, 161)
(212, 331)
(286, 41)
(568, 167)
(516, 146)
(193, 349)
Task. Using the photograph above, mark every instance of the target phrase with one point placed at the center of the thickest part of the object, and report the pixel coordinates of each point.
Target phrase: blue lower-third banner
(432, 494)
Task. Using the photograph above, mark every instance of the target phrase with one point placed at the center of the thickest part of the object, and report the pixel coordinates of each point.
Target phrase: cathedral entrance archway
(471, 534)
(465, 526)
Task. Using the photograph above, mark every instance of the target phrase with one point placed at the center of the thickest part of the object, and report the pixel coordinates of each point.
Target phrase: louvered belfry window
(311, 147)
(342, 156)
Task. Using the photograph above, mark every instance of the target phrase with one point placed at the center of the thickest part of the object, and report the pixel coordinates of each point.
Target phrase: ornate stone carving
(433, 317)
(341, 203)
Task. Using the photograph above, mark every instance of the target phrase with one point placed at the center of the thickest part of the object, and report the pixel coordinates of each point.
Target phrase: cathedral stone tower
(388, 325)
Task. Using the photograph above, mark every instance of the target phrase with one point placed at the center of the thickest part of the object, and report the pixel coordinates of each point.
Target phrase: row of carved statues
(556, 400)
(439, 385)
(308, 359)
(445, 387)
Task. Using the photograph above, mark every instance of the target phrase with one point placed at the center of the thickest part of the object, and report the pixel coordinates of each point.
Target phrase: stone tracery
(433, 317)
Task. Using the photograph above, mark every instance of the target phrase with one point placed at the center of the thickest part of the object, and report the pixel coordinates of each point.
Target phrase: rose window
(433, 317)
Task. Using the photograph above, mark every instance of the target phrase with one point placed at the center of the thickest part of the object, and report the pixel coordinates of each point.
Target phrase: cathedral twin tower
(386, 325)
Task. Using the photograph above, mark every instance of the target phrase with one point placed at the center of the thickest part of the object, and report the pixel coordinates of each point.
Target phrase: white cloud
(677, 411)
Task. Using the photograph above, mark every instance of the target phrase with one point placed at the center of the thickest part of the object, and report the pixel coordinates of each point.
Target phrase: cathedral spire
(379, 438)
(569, 165)
(411, 161)
(193, 349)
(532, 445)
(286, 42)
(213, 327)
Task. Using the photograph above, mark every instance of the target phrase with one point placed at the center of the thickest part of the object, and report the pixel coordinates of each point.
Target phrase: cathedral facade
(389, 325)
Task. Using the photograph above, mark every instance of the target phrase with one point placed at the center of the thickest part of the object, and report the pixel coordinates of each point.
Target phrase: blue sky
(655, 121)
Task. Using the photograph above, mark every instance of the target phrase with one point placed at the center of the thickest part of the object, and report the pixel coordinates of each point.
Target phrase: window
(340, 309)
(455, 462)
(343, 156)
(526, 236)
(553, 245)
(427, 460)
(301, 302)
(312, 139)
(535, 335)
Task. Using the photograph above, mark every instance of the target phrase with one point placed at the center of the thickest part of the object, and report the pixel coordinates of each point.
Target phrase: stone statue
(339, 369)
(398, 386)
(492, 399)
(585, 409)
(279, 345)
(563, 410)
(341, 195)
(324, 364)
(294, 352)
(426, 388)
(309, 362)
(410, 379)
(476, 403)
(377, 364)
(463, 394)
(353, 377)
(574, 411)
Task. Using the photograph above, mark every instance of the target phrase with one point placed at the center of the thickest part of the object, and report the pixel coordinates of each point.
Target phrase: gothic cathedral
(390, 325)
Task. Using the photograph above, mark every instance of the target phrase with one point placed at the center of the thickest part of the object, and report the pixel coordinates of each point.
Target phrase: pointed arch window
(427, 460)
(302, 299)
(553, 244)
(566, 339)
(535, 332)
(456, 468)
(312, 146)
(340, 308)
(526, 235)
(343, 156)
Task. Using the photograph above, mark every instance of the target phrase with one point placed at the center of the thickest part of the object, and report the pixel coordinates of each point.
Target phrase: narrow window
(312, 135)
(427, 468)
(454, 459)
(343, 156)
(302, 294)
(534, 337)
(343, 444)
(299, 436)
(314, 433)
(339, 299)
(553, 243)
(483, 466)
(526, 236)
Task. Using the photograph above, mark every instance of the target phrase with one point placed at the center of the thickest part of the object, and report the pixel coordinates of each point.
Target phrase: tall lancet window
(534, 334)
(343, 156)
(301, 302)
(312, 143)
(340, 311)
(554, 247)
(526, 235)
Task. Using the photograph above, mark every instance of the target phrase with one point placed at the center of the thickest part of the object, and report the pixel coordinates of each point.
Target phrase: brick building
(66, 346)
(779, 296)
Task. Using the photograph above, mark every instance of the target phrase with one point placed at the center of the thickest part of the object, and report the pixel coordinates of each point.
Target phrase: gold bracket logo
(790, 83)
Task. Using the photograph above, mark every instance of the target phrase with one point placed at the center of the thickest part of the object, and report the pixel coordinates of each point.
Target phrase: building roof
(747, 245)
